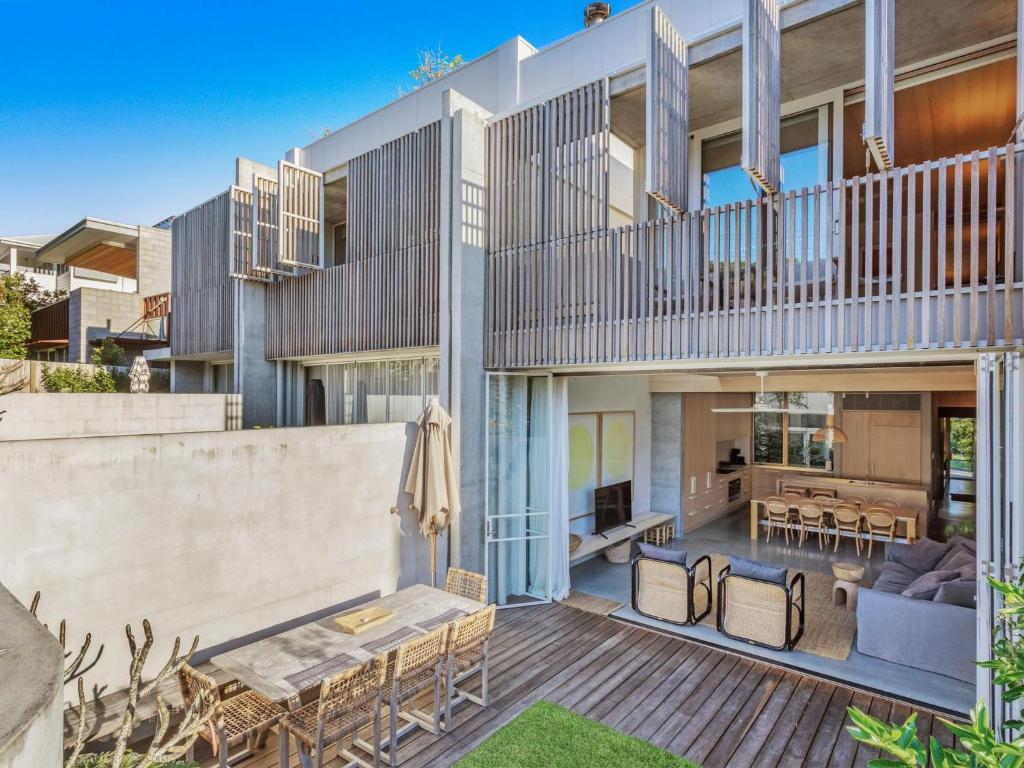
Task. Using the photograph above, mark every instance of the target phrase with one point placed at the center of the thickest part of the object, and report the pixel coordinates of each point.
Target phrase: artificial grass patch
(549, 736)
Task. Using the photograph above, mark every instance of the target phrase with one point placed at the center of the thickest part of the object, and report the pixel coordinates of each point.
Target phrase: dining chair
(823, 493)
(348, 701)
(466, 584)
(812, 520)
(776, 513)
(418, 665)
(799, 490)
(881, 521)
(468, 639)
(887, 503)
(847, 518)
(246, 717)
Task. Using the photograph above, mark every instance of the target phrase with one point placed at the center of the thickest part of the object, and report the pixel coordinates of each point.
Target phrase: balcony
(922, 257)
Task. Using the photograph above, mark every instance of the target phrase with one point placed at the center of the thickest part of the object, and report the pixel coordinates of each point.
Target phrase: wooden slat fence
(915, 258)
(50, 323)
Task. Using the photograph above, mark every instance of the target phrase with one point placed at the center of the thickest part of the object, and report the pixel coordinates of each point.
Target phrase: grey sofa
(934, 632)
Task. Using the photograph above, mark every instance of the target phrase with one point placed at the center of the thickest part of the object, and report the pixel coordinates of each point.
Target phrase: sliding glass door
(518, 492)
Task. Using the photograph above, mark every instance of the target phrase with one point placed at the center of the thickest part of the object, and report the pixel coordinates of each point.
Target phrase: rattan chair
(468, 639)
(348, 701)
(798, 490)
(847, 518)
(812, 520)
(466, 584)
(761, 612)
(778, 515)
(418, 665)
(880, 521)
(823, 493)
(672, 592)
(245, 718)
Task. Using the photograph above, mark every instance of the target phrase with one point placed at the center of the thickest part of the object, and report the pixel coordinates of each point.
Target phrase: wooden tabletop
(282, 666)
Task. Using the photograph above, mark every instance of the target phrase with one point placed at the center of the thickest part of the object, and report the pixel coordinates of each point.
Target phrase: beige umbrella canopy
(432, 482)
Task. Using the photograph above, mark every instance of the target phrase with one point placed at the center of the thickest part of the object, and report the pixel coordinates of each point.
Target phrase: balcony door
(518, 493)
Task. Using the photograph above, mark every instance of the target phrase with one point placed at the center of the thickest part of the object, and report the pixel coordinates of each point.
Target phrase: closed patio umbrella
(432, 482)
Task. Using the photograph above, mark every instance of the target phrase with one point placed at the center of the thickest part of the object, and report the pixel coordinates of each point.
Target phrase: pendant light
(829, 433)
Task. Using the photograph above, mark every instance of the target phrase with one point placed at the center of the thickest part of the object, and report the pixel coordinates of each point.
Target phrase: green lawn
(548, 736)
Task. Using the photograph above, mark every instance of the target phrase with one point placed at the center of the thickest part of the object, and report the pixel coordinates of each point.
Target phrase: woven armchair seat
(759, 611)
(302, 723)
(246, 712)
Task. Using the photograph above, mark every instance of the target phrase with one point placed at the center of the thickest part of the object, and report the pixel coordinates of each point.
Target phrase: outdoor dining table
(907, 517)
(284, 665)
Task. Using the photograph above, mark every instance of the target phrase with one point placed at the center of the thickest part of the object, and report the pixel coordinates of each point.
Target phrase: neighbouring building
(678, 249)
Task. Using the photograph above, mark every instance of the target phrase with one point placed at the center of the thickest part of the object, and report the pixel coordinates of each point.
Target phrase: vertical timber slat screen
(920, 257)
(200, 278)
(762, 72)
(300, 210)
(386, 294)
(879, 62)
(241, 236)
(667, 114)
(265, 228)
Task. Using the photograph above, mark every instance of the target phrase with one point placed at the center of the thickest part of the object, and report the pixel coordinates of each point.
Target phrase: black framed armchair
(760, 611)
(672, 592)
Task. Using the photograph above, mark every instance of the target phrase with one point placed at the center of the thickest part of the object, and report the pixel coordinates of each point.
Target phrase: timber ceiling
(110, 257)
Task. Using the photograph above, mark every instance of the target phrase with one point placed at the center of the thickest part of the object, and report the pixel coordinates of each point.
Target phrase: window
(783, 434)
(805, 144)
(378, 391)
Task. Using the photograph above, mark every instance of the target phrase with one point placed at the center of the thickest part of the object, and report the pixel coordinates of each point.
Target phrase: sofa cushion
(962, 592)
(925, 586)
(920, 557)
(894, 578)
(963, 541)
(752, 569)
(663, 553)
(959, 557)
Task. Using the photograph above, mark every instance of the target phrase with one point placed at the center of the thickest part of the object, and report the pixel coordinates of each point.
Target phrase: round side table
(848, 578)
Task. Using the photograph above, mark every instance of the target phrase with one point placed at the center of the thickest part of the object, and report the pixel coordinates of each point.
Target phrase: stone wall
(154, 261)
(95, 314)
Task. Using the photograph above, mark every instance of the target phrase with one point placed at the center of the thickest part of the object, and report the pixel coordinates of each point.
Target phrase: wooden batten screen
(300, 216)
(879, 82)
(50, 324)
(241, 263)
(265, 228)
(547, 170)
(762, 71)
(394, 196)
(201, 251)
(667, 114)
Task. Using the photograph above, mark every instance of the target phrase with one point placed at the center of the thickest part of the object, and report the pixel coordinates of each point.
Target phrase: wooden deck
(710, 706)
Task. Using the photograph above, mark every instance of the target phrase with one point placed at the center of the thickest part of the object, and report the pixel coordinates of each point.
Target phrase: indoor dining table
(908, 517)
(284, 665)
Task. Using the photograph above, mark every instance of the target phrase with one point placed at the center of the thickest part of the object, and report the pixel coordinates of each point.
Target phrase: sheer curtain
(509, 460)
(560, 489)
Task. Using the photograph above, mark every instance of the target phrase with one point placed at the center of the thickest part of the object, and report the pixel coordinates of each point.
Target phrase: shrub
(75, 379)
(131, 760)
(108, 353)
(15, 317)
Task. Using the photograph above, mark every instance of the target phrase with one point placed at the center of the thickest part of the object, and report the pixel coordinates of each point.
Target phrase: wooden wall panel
(879, 80)
(201, 257)
(300, 216)
(762, 71)
(668, 137)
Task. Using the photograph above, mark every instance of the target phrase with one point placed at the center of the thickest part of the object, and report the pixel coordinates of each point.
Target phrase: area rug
(828, 630)
(602, 606)
(552, 736)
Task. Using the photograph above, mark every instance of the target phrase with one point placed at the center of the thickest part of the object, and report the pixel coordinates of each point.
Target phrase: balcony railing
(50, 325)
(921, 257)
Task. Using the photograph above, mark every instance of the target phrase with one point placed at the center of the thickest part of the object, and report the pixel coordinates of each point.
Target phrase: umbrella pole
(433, 555)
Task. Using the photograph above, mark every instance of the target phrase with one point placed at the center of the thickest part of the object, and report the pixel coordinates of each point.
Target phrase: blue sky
(133, 111)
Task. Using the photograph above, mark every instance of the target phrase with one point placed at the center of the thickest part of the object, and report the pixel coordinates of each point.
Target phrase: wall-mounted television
(613, 506)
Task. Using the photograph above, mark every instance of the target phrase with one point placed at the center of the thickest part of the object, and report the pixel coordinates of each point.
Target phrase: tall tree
(15, 318)
(433, 65)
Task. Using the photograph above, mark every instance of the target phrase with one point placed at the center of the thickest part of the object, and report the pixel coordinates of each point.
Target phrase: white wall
(219, 533)
(621, 393)
(41, 416)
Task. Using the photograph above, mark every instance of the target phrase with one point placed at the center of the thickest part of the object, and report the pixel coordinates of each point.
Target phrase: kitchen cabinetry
(705, 492)
(882, 445)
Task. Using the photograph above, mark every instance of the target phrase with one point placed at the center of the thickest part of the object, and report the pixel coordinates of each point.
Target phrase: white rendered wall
(219, 534)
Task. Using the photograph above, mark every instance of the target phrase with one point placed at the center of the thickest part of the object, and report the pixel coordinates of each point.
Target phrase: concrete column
(255, 376)
(14, 260)
(462, 274)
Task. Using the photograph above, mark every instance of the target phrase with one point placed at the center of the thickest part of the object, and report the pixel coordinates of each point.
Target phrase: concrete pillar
(14, 260)
(255, 376)
(462, 272)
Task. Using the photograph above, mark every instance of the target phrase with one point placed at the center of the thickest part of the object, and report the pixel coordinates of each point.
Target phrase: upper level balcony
(923, 257)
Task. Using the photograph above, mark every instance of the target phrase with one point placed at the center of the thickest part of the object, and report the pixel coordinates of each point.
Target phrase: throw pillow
(926, 586)
(960, 592)
(920, 557)
(663, 554)
(752, 569)
(963, 541)
(957, 558)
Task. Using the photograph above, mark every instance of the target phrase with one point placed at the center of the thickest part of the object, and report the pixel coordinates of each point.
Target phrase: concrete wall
(188, 376)
(95, 314)
(154, 261)
(31, 690)
(219, 534)
(255, 376)
(43, 416)
(621, 393)
(667, 453)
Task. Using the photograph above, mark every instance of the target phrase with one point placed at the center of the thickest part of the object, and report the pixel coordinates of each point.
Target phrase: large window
(784, 430)
(806, 155)
(378, 391)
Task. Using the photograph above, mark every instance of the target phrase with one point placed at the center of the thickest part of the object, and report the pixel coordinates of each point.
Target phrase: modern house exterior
(691, 232)
(117, 280)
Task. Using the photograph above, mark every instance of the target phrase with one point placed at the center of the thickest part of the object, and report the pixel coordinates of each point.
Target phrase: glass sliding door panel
(406, 398)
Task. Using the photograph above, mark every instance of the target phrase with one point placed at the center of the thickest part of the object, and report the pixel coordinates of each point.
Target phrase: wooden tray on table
(361, 620)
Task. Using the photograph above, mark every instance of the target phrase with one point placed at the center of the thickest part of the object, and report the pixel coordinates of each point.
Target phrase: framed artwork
(601, 452)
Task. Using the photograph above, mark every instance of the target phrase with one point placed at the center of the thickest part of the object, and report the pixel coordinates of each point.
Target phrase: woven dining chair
(466, 584)
(823, 493)
(348, 701)
(881, 521)
(468, 640)
(418, 665)
(812, 520)
(777, 515)
(847, 518)
(798, 490)
(245, 718)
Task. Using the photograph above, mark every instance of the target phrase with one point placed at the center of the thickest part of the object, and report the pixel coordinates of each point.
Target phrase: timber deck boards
(708, 705)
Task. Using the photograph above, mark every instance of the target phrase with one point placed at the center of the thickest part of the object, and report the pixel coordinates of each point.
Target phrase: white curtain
(560, 489)
(509, 460)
